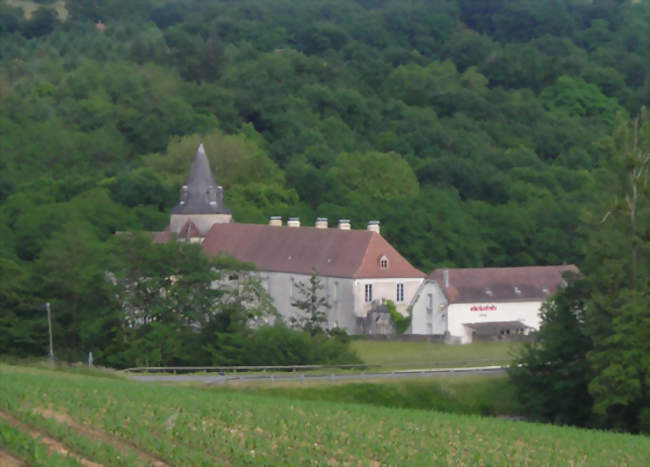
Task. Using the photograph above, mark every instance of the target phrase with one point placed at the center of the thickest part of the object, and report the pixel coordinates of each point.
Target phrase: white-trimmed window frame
(399, 296)
(368, 293)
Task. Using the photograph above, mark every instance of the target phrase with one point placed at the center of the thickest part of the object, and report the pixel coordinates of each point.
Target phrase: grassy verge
(468, 394)
(61, 367)
(433, 354)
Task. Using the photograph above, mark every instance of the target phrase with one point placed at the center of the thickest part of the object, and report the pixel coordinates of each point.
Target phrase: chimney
(275, 221)
(445, 277)
(321, 223)
(293, 222)
(344, 224)
(373, 226)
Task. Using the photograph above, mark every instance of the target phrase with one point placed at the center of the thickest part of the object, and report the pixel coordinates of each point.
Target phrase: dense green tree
(552, 375)
(577, 98)
(166, 292)
(619, 273)
(488, 123)
(70, 273)
(593, 343)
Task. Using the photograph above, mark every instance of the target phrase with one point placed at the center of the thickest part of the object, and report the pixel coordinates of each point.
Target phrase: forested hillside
(470, 129)
(474, 130)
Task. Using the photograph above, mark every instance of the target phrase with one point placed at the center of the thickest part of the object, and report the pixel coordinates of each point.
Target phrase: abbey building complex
(360, 271)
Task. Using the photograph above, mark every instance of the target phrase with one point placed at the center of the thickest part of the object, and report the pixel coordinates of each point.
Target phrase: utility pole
(50, 355)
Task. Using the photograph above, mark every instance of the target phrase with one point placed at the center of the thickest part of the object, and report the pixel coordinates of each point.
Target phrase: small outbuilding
(485, 303)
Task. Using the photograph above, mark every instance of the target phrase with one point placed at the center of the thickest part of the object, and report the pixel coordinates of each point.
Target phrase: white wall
(347, 296)
(433, 315)
(339, 292)
(203, 222)
(486, 312)
(382, 290)
(429, 310)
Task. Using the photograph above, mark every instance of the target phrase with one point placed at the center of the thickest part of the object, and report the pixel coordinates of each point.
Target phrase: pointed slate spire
(200, 194)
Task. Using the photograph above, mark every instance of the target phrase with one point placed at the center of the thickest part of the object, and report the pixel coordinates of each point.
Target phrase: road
(278, 377)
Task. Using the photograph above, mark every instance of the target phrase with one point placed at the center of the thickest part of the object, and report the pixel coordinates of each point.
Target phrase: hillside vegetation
(486, 123)
(193, 426)
(500, 133)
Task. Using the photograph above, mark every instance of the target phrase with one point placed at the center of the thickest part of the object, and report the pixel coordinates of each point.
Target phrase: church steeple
(201, 199)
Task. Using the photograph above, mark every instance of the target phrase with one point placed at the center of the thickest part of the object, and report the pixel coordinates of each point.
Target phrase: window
(383, 262)
(400, 292)
(368, 293)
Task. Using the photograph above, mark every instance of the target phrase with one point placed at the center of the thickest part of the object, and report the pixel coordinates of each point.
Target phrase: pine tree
(312, 305)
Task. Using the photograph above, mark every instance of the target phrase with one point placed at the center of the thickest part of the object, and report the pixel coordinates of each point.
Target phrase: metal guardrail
(292, 368)
(241, 368)
(223, 379)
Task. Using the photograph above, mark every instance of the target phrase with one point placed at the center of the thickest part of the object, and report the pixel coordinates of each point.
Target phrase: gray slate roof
(201, 194)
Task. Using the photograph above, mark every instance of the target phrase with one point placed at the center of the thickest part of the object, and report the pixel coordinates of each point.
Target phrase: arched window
(383, 262)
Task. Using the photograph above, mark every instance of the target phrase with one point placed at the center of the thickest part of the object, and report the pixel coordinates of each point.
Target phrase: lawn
(433, 354)
(119, 422)
(460, 394)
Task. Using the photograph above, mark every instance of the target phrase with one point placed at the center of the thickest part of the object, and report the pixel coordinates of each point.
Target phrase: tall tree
(551, 374)
(618, 262)
(313, 305)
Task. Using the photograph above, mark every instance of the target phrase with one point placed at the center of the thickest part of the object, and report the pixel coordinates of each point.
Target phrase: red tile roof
(332, 252)
(501, 284)
(189, 230)
(162, 237)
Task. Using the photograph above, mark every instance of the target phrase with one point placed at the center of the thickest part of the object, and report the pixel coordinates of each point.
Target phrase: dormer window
(517, 290)
(488, 292)
(212, 196)
(383, 262)
(545, 290)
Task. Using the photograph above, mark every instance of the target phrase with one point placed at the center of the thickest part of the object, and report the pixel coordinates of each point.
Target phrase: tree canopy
(478, 133)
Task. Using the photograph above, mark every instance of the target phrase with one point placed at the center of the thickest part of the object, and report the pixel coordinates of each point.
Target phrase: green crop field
(433, 354)
(111, 421)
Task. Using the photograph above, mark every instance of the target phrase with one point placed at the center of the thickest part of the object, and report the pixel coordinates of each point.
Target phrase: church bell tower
(201, 201)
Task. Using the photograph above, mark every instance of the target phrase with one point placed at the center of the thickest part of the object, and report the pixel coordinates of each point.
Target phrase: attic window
(212, 196)
(184, 194)
(545, 290)
(383, 262)
(517, 290)
(488, 292)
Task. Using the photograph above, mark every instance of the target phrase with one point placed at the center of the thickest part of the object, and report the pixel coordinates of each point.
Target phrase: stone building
(359, 269)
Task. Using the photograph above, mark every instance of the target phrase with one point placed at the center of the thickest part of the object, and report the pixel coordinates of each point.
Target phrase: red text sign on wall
(483, 308)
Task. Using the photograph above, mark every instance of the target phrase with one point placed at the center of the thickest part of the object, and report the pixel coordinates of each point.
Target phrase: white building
(484, 303)
(358, 268)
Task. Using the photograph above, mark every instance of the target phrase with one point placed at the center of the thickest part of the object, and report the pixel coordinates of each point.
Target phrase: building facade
(485, 303)
(358, 269)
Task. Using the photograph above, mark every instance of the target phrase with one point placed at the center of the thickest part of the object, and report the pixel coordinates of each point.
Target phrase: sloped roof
(332, 252)
(162, 237)
(189, 230)
(199, 183)
(501, 284)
